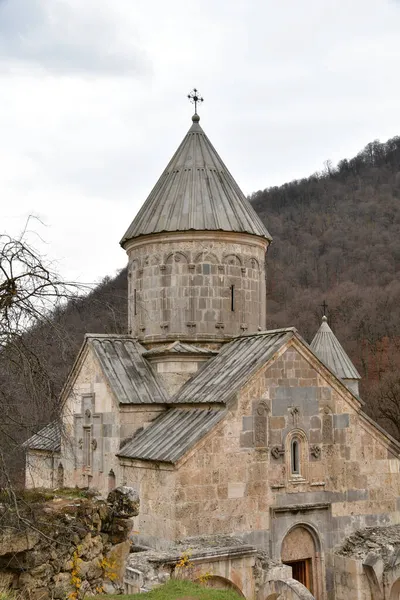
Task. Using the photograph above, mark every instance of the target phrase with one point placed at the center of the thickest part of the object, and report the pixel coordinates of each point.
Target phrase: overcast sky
(93, 103)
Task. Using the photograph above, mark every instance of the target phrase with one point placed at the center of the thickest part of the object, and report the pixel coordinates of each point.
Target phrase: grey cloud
(58, 38)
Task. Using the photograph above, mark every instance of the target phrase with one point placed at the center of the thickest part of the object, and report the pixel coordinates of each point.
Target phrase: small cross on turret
(324, 308)
(194, 98)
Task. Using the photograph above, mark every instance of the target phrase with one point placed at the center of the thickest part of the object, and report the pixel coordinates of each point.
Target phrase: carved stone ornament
(277, 451)
(295, 412)
(80, 443)
(88, 414)
(262, 408)
(94, 444)
(315, 451)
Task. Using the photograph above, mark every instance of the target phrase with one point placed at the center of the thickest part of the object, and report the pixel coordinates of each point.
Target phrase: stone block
(341, 421)
(246, 439)
(356, 495)
(236, 490)
(107, 430)
(315, 422)
(305, 398)
(275, 438)
(247, 423)
(327, 429)
(340, 436)
(315, 436)
(277, 422)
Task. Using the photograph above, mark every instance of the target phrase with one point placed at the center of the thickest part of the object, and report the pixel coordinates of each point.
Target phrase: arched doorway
(301, 551)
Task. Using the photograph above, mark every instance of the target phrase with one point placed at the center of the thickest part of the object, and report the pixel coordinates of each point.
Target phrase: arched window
(111, 480)
(295, 457)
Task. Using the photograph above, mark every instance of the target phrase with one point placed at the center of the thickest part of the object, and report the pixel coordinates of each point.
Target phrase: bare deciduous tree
(30, 292)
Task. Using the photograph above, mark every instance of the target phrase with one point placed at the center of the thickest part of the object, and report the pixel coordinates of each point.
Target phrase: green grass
(175, 589)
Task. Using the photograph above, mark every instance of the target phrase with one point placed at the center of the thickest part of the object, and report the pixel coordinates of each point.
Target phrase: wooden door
(302, 571)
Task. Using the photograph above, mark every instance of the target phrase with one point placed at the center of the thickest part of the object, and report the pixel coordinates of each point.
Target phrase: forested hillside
(336, 239)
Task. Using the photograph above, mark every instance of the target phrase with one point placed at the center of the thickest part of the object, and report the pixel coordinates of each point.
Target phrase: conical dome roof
(328, 348)
(196, 192)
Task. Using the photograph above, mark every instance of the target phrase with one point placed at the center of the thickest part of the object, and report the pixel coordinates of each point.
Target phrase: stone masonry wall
(196, 286)
(91, 407)
(242, 470)
(156, 524)
(239, 479)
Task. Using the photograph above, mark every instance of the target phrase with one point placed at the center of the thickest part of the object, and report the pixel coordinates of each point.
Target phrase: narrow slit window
(87, 447)
(134, 302)
(295, 457)
(232, 298)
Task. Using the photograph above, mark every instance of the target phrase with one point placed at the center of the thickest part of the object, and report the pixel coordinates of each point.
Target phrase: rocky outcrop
(124, 501)
(67, 546)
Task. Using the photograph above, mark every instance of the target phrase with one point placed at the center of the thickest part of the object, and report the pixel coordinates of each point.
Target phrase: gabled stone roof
(130, 376)
(48, 439)
(328, 349)
(196, 192)
(171, 435)
(223, 375)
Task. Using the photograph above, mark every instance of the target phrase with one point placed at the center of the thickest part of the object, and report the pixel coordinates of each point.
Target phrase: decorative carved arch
(299, 437)
(176, 257)
(134, 266)
(298, 551)
(232, 259)
(252, 263)
(206, 256)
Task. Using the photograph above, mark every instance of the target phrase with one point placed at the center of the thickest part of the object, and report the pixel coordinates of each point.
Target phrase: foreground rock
(67, 547)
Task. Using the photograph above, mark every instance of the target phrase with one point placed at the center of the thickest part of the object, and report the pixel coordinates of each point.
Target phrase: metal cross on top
(194, 98)
(324, 308)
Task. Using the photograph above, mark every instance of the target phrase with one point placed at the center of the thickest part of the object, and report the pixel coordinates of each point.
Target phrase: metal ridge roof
(172, 434)
(178, 347)
(196, 192)
(48, 438)
(130, 376)
(223, 375)
(330, 351)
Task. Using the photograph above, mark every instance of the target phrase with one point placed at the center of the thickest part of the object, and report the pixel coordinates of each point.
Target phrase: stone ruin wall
(66, 547)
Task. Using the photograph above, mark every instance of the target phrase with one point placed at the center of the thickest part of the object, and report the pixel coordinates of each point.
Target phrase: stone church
(227, 430)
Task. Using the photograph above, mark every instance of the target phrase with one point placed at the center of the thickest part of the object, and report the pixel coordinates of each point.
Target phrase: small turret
(328, 348)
